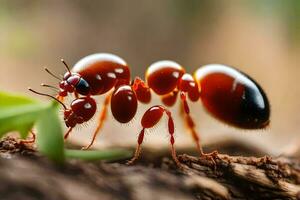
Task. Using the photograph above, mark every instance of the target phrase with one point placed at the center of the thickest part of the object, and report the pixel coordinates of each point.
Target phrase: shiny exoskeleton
(233, 97)
(226, 93)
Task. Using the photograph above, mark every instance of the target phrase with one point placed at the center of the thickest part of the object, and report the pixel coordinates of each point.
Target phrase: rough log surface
(25, 174)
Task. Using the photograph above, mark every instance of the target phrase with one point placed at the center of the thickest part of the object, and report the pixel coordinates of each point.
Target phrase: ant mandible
(227, 94)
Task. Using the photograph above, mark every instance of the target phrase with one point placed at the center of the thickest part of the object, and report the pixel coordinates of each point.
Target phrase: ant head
(73, 82)
(81, 110)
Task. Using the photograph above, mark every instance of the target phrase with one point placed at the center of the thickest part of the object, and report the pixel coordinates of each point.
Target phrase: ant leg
(190, 122)
(103, 116)
(171, 129)
(150, 118)
(29, 141)
(68, 133)
(191, 125)
(138, 147)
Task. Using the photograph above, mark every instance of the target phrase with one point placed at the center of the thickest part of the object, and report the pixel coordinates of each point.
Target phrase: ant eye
(83, 87)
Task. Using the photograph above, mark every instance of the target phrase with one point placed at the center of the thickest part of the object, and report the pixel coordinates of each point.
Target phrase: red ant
(227, 94)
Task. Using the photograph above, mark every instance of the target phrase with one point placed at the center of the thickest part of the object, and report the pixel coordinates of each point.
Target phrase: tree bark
(24, 174)
(230, 177)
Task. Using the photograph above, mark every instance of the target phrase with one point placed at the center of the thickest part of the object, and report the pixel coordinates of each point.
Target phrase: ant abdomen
(233, 97)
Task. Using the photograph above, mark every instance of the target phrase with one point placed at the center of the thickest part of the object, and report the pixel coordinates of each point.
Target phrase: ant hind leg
(191, 126)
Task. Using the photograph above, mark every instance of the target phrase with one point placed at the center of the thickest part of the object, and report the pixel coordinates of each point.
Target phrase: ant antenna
(67, 66)
(50, 86)
(49, 72)
(47, 95)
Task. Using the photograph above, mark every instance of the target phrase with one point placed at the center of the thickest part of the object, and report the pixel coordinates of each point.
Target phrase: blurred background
(259, 37)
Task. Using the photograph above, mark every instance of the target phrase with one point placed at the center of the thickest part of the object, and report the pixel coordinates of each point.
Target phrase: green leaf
(18, 113)
(49, 138)
(12, 100)
(92, 155)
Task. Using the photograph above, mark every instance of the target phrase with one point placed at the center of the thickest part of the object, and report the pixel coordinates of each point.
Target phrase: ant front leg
(102, 118)
(150, 118)
(191, 125)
